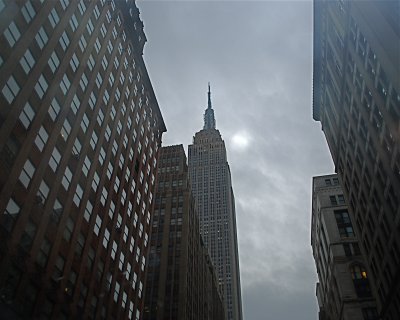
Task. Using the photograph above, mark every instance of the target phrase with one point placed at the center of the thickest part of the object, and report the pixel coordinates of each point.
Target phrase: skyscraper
(212, 187)
(356, 97)
(181, 282)
(80, 129)
(343, 290)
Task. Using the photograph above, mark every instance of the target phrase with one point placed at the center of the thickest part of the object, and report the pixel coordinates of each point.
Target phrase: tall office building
(181, 282)
(343, 290)
(80, 129)
(212, 187)
(357, 100)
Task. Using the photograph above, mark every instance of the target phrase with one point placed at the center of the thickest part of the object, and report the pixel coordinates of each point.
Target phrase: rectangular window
(55, 159)
(27, 173)
(65, 130)
(74, 62)
(75, 104)
(92, 101)
(90, 27)
(27, 115)
(91, 62)
(81, 7)
(65, 84)
(93, 141)
(73, 22)
(41, 138)
(10, 89)
(82, 43)
(83, 82)
(88, 211)
(12, 34)
(78, 195)
(27, 61)
(54, 62)
(41, 86)
(28, 11)
(344, 224)
(85, 122)
(64, 3)
(97, 45)
(54, 109)
(43, 191)
(41, 38)
(86, 166)
(99, 80)
(64, 41)
(97, 226)
(53, 18)
(67, 178)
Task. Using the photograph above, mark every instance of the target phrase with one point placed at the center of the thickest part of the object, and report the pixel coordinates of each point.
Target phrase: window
(93, 140)
(27, 173)
(85, 122)
(55, 159)
(12, 34)
(65, 84)
(97, 45)
(114, 250)
(90, 27)
(27, 115)
(64, 3)
(74, 63)
(67, 178)
(360, 281)
(81, 7)
(41, 138)
(106, 238)
(54, 62)
(96, 12)
(12, 210)
(99, 80)
(43, 253)
(82, 43)
(10, 89)
(104, 195)
(41, 86)
(92, 101)
(86, 166)
(65, 130)
(344, 224)
(75, 104)
(69, 228)
(53, 18)
(41, 38)
(28, 12)
(97, 226)
(88, 211)
(64, 41)
(91, 62)
(73, 22)
(78, 195)
(370, 314)
(103, 30)
(54, 109)
(27, 61)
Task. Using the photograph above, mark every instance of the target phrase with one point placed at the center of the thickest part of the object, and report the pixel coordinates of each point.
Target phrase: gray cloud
(258, 57)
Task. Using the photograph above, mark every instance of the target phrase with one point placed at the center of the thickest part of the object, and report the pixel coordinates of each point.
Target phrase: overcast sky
(258, 58)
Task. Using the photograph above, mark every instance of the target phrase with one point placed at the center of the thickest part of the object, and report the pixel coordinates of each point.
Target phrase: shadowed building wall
(356, 98)
(181, 282)
(80, 129)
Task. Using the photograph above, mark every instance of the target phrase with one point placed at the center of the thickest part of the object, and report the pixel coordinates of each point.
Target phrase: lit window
(53, 17)
(27, 61)
(41, 86)
(54, 62)
(54, 109)
(41, 38)
(41, 138)
(10, 89)
(27, 115)
(27, 173)
(12, 34)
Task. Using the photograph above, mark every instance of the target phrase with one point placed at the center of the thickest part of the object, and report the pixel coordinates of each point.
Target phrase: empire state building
(212, 187)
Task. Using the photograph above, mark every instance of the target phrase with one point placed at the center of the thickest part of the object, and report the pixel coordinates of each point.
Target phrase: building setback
(181, 282)
(80, 129)
(343, 290)
(212, 187)
(356, 98)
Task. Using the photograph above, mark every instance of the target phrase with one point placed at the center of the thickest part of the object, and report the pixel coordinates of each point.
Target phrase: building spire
(209, 119)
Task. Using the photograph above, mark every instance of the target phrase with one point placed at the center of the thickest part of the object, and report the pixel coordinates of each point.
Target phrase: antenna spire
(209, 119)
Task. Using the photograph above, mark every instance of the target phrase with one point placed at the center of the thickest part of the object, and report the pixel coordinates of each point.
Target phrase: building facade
(181, 282)
(343, 290)
(212, 187)
(80, 129)
(356, 97)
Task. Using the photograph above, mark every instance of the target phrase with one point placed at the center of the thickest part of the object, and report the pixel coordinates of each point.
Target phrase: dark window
(370, 314)
(360, 281)
(344, 224)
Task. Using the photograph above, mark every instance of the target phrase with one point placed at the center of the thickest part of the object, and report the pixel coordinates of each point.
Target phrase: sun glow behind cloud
(240, 140)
